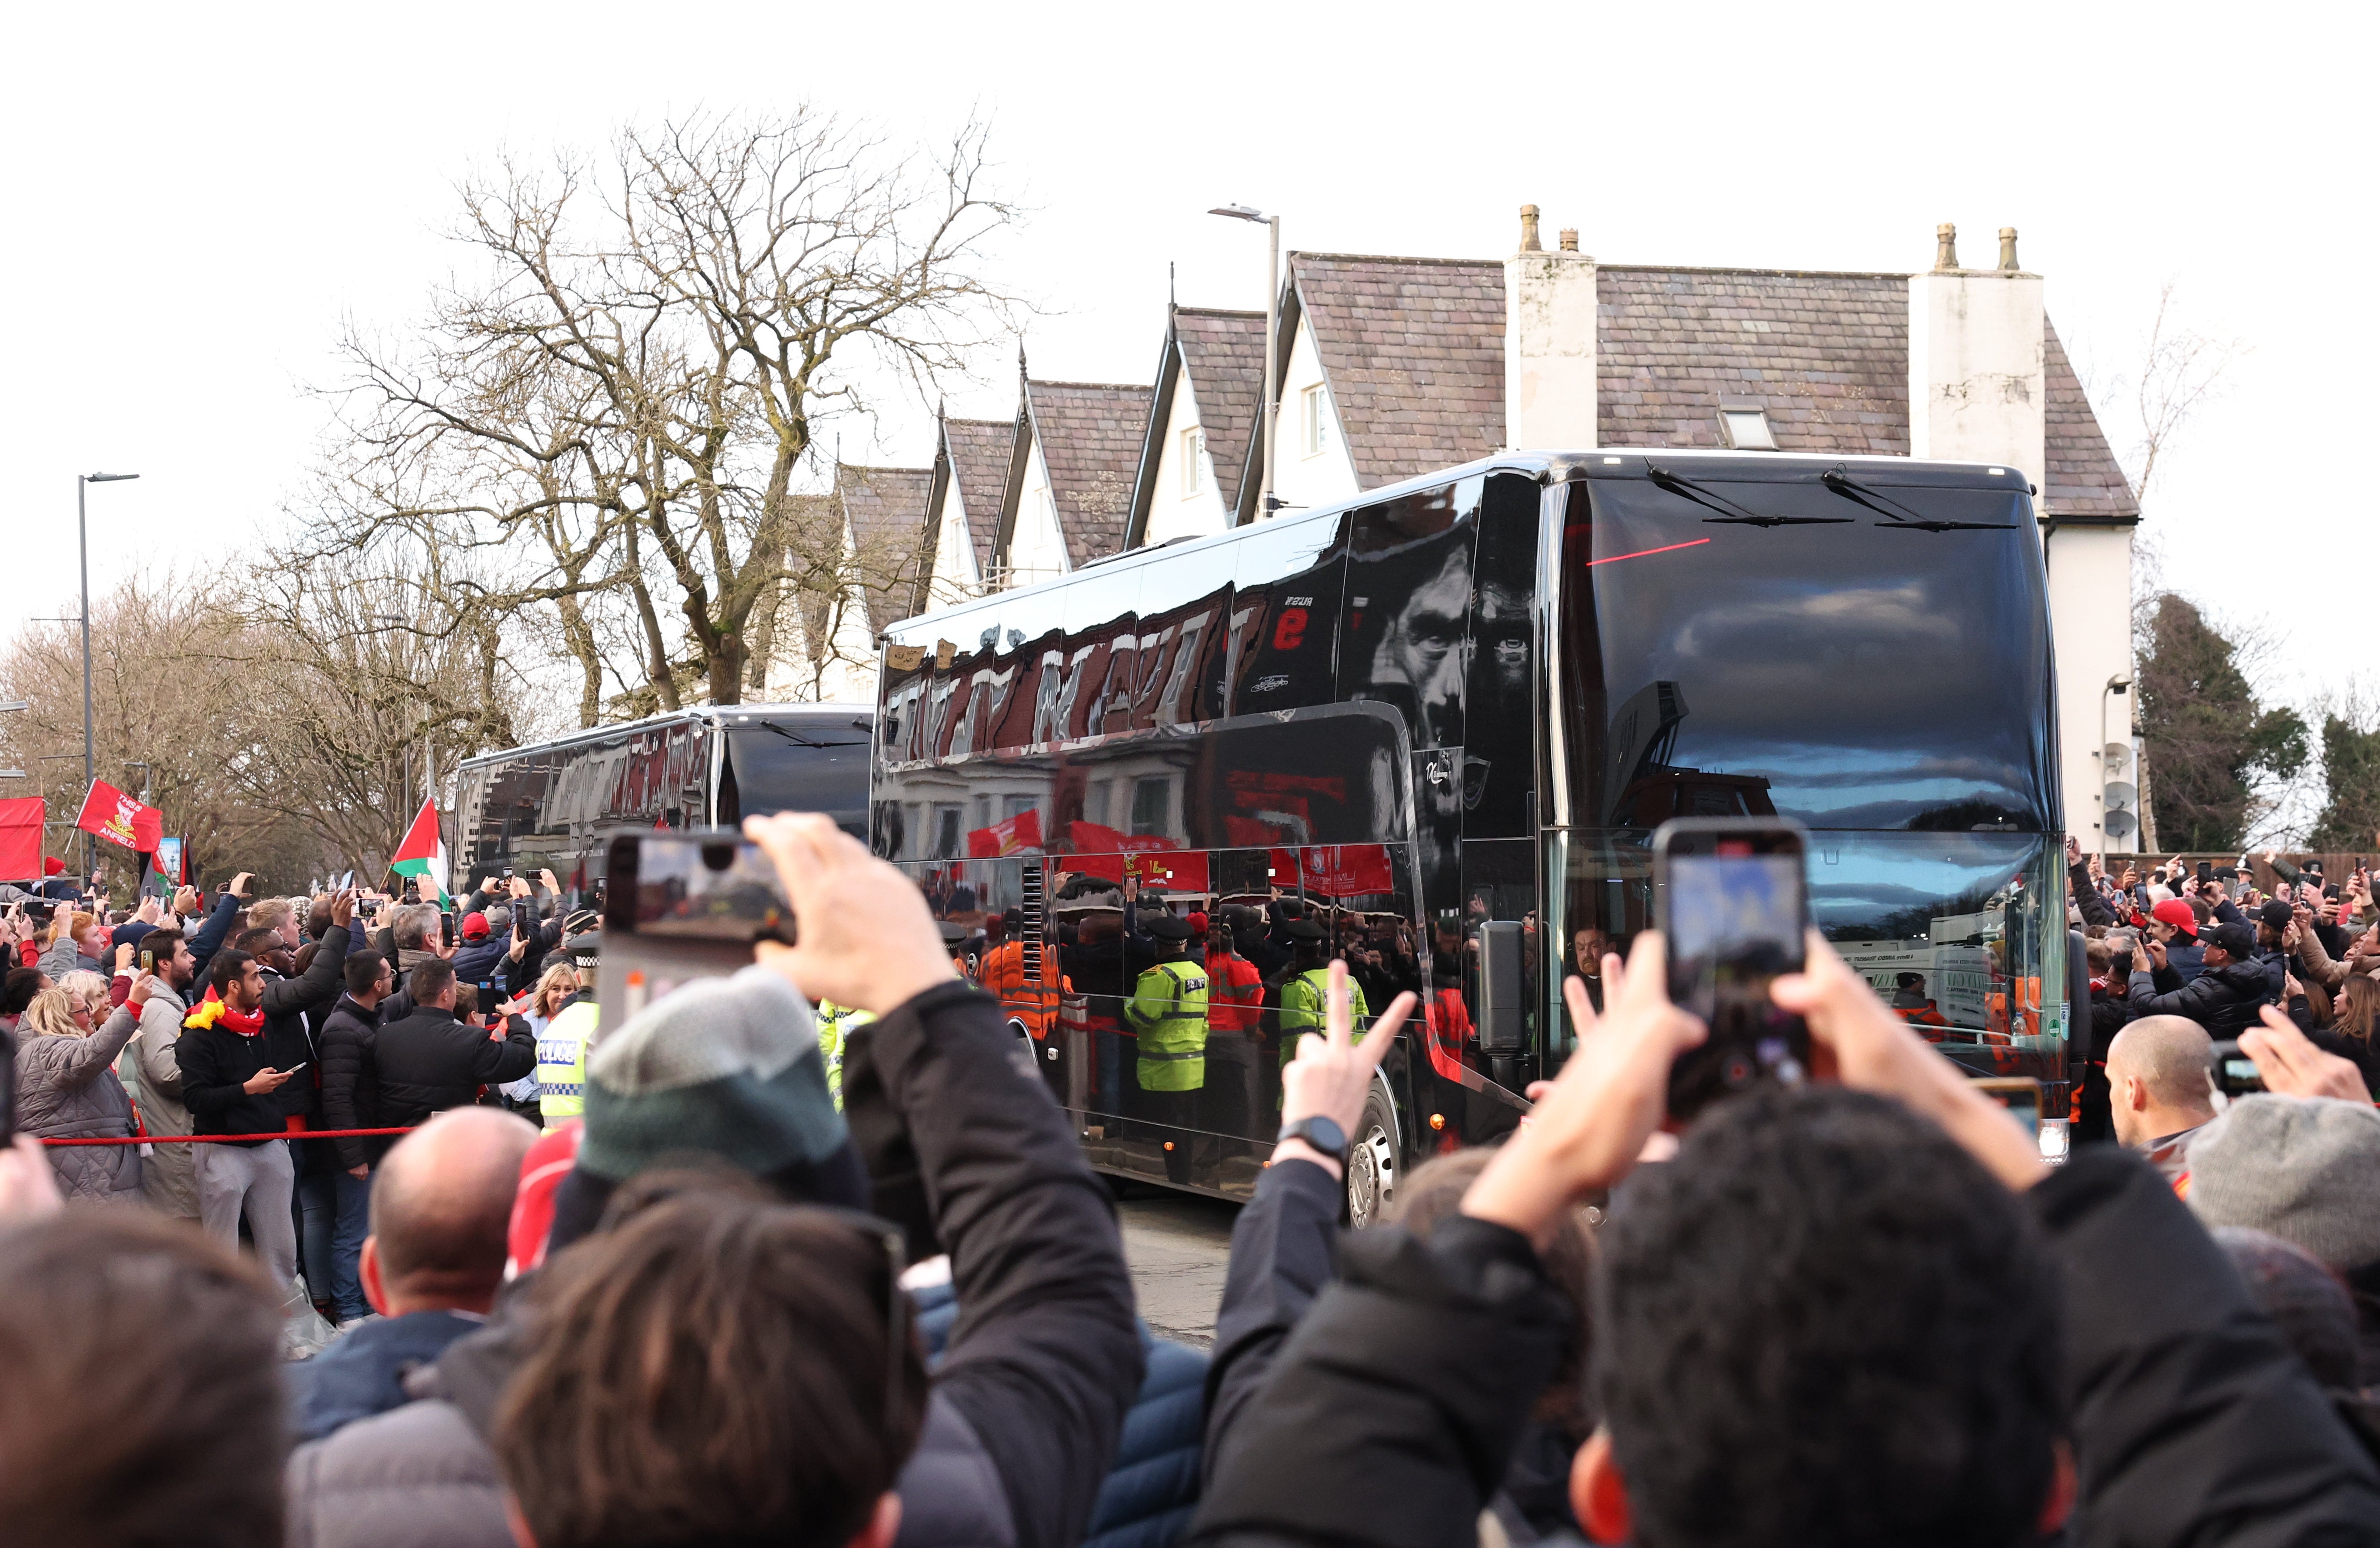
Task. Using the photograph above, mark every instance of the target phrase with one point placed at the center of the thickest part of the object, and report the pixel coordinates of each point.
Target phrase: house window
(1311, 410)
(1152, 806)
(1193, 458)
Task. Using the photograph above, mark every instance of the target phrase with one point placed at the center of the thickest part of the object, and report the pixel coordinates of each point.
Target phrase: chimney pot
(1570, 240)
(1946, 248)
(2007, 248)
(1529, 242)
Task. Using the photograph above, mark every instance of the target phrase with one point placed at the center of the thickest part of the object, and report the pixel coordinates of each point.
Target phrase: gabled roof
(1222, 353)
(886, 507)
(973, 454)
(2083, 478)
(1414, 350)
(1090, 434)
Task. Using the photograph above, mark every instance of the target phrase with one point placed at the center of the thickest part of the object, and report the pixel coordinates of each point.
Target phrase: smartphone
(2019, 1094)
(1731, 896)
(2205, 871)
(147, 962)
(2232, 1072)
(682, 906)
(296, 1067)
(445, 929)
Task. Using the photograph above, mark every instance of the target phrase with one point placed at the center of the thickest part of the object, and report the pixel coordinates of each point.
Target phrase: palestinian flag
(422, 855)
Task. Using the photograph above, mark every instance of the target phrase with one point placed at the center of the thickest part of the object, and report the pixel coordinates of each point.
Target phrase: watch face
(1320, 1132)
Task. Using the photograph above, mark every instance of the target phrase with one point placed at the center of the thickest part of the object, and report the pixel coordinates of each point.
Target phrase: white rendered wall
(955, 577)
(1301, 479)
(2089, 615)
(1549, 350)
(1172, 513)
(1975, 368)
(1037, 551)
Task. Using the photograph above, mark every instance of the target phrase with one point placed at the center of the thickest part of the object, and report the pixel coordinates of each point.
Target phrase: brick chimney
(1975, 361)
(1549, 342)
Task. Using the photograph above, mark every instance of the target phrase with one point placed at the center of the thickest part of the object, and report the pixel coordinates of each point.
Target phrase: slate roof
(2084, 477)
(1414, 349)
(1090, 434)
(1826, 355)
(979, 451)
(886, 507)
(1223, 352)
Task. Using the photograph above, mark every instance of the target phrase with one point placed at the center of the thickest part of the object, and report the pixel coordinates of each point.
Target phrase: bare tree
(639, 385)
(2182, 372)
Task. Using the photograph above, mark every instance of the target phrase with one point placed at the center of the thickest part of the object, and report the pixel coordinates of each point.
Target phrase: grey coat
(415, 1476)
(63, 957)
(66, 1091)
(168, 1179)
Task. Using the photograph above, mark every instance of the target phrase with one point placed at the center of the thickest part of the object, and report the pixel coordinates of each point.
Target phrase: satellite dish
(2121, 824)
(2118, 758)
(2121, 797)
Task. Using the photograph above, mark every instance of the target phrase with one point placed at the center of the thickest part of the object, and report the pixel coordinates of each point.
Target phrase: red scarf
(214, 1012)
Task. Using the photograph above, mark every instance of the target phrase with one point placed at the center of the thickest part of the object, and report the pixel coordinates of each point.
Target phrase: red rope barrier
(230, 1138)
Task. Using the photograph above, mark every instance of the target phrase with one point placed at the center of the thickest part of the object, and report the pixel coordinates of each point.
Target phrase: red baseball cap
(2179, 915)
(474, 927)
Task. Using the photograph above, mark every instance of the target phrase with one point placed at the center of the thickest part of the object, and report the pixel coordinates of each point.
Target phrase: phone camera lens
(718, 857)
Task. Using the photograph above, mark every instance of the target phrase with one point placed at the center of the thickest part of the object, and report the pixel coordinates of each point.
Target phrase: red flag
(1014, 836)
(21, 838)
(117, 818)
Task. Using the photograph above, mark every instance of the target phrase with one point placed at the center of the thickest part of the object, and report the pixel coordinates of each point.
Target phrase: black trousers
(1178, 1111)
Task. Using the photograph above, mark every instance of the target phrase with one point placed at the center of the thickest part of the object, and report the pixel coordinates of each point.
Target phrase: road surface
(1177, 1244)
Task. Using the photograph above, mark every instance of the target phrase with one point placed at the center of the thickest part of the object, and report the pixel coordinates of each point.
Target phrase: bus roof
(1546, 467)
(825, 711)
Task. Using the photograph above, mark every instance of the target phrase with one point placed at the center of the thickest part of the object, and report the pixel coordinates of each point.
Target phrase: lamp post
(2116, 685)
(1265, 503)
(82, 536)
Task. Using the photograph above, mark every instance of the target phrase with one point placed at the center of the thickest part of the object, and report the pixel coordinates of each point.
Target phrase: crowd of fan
(720, 1311)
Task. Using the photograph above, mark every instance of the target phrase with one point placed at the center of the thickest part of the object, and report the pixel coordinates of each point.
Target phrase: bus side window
(1284, 627)
(1408, 597)
(1500, 758)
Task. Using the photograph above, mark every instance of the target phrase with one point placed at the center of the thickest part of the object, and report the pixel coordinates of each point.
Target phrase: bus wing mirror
(1501, 1000)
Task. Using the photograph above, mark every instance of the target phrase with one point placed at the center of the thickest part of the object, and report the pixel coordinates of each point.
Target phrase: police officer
(561, 1048)
(836, 1025)
(1305, 994)
(1168, 1012)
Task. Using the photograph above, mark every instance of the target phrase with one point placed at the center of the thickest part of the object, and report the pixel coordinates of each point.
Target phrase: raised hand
(1332, 1072)
(2292, 1066)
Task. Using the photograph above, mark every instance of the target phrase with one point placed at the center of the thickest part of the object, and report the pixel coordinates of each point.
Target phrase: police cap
(1305, 930)
(1168, 927)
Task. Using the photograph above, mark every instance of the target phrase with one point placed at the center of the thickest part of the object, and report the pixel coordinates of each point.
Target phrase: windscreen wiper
(1876, 499)
(1734, 515)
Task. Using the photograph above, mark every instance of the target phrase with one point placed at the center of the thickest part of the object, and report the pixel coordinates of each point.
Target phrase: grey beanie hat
(2304, 1169)
(728, 1068)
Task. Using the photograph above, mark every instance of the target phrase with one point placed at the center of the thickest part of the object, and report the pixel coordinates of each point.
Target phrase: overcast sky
(196, 198)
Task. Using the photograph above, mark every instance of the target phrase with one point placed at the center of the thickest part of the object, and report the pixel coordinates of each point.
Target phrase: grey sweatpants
(260, 1177)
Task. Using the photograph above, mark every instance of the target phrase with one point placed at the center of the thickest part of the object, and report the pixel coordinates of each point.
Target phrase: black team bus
(1433, 730)
(555, 805)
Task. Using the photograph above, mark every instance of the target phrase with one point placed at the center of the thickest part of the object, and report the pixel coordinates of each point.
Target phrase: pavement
(1177, 1244)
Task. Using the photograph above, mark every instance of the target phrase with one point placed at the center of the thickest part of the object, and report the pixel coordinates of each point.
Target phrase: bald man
(2158, 1089)
(441, 1201)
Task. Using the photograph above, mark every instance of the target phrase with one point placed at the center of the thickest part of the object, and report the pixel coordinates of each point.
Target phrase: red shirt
(1234, 992)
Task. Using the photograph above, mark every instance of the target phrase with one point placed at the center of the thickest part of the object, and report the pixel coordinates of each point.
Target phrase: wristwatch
(1320, 1132)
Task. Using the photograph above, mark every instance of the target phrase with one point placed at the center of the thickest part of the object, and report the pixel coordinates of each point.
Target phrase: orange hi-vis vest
(1003, 978)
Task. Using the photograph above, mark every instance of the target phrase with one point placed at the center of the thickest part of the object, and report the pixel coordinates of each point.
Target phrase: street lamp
(82, 535)
(1265, 504)
(2116, 685)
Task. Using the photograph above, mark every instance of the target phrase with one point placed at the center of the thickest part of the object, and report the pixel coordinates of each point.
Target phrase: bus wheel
(1372, 1163)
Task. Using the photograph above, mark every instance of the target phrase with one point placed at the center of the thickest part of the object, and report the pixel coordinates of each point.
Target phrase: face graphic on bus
(1422, 648)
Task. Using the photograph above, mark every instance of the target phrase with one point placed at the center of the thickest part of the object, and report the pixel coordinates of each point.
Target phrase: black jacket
(430, 1062)
(216, 1064)
(351, 1079)
(288, 1037)
(1395, 1406)
(2223, 1000)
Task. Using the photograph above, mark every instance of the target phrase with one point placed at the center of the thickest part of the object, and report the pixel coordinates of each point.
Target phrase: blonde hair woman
(88, 992)
(559, 982)
(66, 1091)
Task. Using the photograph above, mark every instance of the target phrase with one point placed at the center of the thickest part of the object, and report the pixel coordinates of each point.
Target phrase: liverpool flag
(422, 855)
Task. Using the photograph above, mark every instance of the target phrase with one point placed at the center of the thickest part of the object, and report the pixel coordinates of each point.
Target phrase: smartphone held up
(1731, 897)
(683, 906)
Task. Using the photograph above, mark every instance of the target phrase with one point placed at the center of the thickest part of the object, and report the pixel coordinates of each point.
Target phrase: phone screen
(707, 889)
(1732, 901)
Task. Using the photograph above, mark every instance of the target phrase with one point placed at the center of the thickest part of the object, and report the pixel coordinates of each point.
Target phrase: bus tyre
(1372, 1162)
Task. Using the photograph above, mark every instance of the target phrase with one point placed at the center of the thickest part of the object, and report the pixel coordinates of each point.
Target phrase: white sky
(195, 199)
